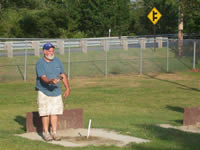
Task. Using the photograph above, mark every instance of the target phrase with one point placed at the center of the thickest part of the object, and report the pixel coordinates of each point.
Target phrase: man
(50, 72)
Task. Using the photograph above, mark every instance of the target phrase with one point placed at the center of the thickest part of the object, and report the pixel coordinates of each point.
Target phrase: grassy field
(130, 104)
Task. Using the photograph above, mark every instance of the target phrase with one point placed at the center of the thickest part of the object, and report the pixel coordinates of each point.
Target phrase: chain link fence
(103, 57)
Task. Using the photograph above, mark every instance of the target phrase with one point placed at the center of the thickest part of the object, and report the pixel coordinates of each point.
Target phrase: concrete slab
(78, 138)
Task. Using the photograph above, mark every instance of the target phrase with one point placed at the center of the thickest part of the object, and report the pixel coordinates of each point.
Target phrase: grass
(130, 104)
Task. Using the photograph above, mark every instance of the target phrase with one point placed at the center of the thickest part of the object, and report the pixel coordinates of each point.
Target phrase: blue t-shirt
(51, 70)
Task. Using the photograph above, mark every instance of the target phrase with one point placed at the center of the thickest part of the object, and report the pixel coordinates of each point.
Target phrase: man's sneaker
(47, 137)
(55, 136)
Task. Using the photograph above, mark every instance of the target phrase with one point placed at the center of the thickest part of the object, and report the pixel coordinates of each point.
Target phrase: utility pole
(180, 28)
(1, 5)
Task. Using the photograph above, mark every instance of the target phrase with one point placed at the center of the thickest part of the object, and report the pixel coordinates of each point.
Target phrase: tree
(168, 22)
(97, 17)
(54, 21)
(191, 16)
(9, 26)
(93, 18)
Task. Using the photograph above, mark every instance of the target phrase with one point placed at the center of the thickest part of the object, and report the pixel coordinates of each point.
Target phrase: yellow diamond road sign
(154, 15)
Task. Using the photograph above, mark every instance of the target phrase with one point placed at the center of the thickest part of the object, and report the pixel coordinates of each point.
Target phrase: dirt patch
(82, 82)
(196, 70)
(111, 81)
(91, 140)
(77, 138)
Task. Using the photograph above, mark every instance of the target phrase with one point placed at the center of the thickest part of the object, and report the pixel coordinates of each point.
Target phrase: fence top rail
(90, 42)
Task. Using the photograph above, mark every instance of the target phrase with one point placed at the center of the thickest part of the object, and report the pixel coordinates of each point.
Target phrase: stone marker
(70, 119)
(191, 116)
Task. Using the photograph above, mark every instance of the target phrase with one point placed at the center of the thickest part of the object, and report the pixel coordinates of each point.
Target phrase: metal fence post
(141, 58)
(69, 49)
(106, 58)
(167, 55)
(25, 62)
(194, 56)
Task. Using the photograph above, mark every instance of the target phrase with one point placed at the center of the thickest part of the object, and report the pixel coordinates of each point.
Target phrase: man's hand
(63, 77)
(67, 92)
(49, 81)
(54, 81)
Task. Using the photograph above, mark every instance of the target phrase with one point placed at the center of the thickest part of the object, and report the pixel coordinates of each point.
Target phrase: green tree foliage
(191, 16)
(53, 21)
(97, 17)
(39, 25)
(93, 18)
(9, 26)
(166, 25)
(31, 4)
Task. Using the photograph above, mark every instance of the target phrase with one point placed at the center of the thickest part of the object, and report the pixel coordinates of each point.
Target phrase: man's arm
(49, 81)
(66, 84)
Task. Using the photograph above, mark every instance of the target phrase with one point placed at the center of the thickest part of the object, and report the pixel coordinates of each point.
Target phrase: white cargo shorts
(49, 105)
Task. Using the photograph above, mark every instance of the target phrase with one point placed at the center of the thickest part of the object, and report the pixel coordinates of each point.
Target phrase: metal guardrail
(69, 43)
(61, 44)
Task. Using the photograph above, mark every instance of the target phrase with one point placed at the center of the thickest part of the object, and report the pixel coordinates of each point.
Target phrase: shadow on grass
(119, 69)
(185, 87)
(167, 139)
(97, 67)
(179, 121)
(182, 62)
(175, 108)
(20, 72)
(130, 63)
(22, 121)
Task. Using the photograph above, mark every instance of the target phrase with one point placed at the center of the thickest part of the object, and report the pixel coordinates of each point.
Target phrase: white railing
(83, 44)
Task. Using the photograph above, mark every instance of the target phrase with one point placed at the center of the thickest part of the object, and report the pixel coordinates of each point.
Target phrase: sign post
(154, 15)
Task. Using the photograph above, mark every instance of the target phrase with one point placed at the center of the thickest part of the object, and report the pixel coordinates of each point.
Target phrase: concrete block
(142, 42)
(83, 45)
(124, 43)
(159, 41)
(9, 48)
(191, 116)
(70, 119)
(60, 45)
(36, 47)
(105, 45)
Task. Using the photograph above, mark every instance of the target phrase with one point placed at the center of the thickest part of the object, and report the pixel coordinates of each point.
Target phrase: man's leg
(54, 123)
(45, 123)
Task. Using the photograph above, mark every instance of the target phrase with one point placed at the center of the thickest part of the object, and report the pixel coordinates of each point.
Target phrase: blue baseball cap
(47, 46)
